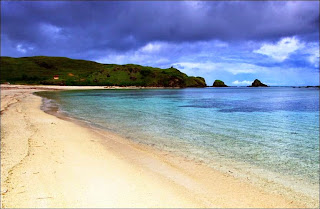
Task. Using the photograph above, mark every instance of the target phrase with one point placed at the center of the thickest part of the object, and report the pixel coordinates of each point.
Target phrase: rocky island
(219, 83)
(257, 83)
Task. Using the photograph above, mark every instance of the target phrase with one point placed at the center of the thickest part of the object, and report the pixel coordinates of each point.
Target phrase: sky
(234, 41)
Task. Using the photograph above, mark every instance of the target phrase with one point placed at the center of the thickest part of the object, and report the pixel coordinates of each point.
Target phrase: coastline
(50, 162)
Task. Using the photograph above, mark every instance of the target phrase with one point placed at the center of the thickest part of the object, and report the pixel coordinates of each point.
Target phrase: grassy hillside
(41, 70)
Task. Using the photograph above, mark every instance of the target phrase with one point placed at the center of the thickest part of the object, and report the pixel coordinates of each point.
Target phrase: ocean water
(273, 130)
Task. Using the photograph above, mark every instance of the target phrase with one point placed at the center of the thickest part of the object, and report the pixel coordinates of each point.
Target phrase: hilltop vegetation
(42, 70)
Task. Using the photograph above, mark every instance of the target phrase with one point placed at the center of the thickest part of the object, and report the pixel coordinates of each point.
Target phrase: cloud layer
(281, 50)
(210, 39)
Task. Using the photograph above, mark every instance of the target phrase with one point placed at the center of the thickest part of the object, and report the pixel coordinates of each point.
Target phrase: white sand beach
(50, 162)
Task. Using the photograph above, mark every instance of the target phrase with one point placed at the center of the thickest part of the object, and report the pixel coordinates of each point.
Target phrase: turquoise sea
(272, 132)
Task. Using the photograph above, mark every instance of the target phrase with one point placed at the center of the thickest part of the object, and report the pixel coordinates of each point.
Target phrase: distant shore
(50, 162)
(57, 87)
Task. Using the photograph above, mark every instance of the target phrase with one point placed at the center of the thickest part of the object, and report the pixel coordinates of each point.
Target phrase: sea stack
(219, 83)
(257, 83)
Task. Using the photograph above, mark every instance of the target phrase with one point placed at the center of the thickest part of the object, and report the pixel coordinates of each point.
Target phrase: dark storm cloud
(85, 28)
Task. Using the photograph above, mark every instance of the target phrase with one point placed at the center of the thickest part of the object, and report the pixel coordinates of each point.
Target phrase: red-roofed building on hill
(56, 77)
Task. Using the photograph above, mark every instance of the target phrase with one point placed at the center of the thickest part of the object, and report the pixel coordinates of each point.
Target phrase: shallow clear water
(275, 129)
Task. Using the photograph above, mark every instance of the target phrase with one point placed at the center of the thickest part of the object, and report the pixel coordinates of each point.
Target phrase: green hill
(43, 70)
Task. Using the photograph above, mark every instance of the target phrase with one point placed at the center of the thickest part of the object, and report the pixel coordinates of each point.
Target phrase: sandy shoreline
(50, 162)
